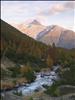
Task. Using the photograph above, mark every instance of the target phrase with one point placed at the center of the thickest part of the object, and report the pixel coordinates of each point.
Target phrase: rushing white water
(37, 84)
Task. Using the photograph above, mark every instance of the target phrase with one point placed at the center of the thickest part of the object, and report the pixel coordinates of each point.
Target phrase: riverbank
(47, 79)
(36, 90)
(38, 96)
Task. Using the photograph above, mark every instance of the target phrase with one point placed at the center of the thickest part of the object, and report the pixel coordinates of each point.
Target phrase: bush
(28, 73)
(53, 90)
(68, 72)
(15, 71)
(31, 98)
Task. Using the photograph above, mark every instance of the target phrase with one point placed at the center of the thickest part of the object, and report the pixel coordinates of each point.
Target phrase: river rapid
(46, 79)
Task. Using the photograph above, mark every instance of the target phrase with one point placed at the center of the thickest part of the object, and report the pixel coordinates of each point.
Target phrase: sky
(60, 13)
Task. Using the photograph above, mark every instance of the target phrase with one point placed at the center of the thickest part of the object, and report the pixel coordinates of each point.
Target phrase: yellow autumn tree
(28, 73)
(49, 61)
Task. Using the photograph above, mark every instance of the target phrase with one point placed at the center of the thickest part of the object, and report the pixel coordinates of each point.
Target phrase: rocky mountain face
(58, 35)
(49, 34)
(31, 29)
(67, 39)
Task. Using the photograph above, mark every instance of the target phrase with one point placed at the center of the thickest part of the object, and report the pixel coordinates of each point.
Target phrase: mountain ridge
(53, 35)
(47, 34)
(35, 22)
(31, 29)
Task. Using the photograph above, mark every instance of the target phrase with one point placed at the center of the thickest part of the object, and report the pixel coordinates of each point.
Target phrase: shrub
(31, 98)
(53, 90)
(28, 73)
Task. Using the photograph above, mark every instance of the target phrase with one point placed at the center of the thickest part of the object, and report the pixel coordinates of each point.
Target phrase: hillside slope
(19, 47)
(19, 51)
(58, 35)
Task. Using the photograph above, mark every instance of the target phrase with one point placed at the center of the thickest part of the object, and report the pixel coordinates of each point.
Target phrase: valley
(24, 62)
(37, 50)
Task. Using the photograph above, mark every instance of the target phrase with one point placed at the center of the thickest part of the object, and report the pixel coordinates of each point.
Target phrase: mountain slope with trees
(28, 55)
(18, 46)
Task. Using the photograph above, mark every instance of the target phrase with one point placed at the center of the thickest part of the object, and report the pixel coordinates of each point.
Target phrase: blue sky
(60, 13)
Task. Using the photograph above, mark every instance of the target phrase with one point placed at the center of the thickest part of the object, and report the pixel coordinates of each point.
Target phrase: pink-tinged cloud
(70, 5)
(58, 8)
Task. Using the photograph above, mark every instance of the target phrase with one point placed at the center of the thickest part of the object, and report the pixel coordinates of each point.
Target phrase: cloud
(58, 8)
(13, 8)
(69, 5)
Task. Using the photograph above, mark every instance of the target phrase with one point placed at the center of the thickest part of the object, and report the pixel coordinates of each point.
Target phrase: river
(46, 79)
(37, 85)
